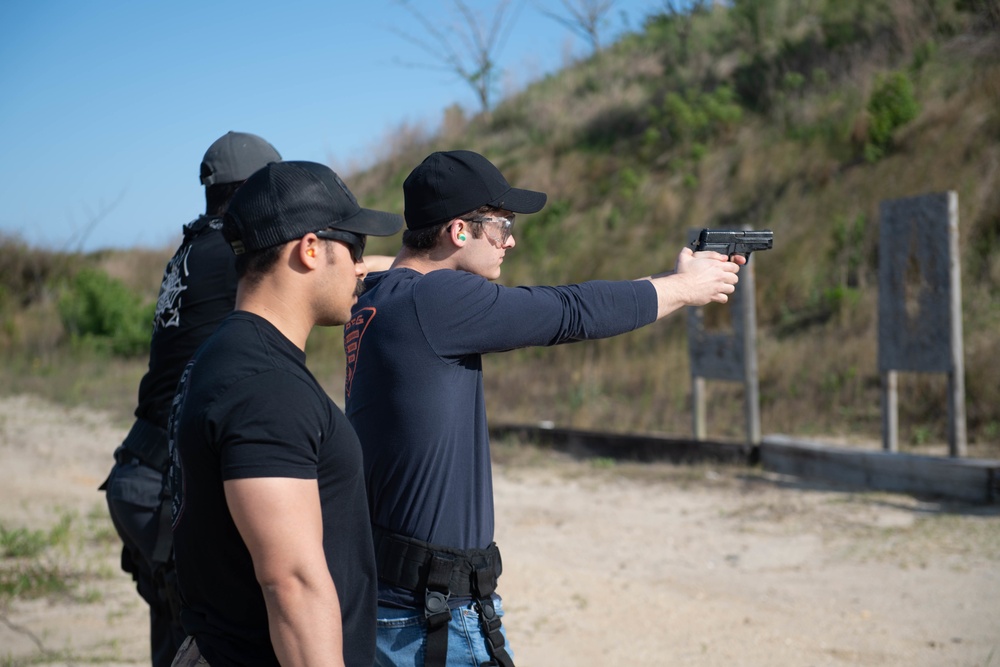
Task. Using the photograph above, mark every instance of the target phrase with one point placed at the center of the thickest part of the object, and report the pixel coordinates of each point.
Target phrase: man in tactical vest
(197, 292)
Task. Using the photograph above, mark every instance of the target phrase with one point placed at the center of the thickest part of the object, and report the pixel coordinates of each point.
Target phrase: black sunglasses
(355, 241)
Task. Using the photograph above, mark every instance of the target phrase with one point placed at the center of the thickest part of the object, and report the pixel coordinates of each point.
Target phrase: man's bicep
(280, 521)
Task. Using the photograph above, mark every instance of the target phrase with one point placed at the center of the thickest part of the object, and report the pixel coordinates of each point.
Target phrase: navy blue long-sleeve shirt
(414, 385)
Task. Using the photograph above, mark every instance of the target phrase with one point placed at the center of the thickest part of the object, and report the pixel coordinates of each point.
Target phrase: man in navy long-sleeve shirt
(414, 392)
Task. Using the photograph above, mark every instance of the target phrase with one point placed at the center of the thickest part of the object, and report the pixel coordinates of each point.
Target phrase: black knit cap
(452, 183)
(285, 201)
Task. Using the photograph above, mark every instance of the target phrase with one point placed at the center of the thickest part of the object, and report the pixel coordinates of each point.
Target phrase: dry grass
(140, 269)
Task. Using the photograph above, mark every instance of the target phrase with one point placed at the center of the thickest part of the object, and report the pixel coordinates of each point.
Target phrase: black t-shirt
(247, 407)
(197, 292)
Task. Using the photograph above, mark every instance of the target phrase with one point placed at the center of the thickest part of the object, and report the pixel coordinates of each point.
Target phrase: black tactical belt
(440, 573)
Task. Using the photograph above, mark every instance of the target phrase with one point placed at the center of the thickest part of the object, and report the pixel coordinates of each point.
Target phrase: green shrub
(835, 299)
(793, 81)
(892, 104)
(100, 311)
(707, 115)
(696, 116)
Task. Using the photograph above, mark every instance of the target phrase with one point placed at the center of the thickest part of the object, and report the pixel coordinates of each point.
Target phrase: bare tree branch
(468, 46)
(103, 211)
(585, 18)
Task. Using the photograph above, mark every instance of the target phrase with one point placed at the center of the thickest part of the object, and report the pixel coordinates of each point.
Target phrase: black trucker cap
(452, 183)
(234, 156)
(285, 201)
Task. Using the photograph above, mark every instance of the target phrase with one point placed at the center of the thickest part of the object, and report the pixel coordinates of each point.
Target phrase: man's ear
(307, 249)
(458, 232)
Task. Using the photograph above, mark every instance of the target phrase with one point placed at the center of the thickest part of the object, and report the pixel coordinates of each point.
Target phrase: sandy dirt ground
(605, 563)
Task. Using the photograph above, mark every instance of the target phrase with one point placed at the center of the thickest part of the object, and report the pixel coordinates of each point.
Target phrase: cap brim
(371, 223)
(521, 201)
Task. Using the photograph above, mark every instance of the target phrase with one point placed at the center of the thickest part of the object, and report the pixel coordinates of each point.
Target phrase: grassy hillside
(760, 114)
(794, 115)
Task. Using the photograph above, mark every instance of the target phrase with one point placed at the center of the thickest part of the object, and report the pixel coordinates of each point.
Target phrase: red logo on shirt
(353, 331)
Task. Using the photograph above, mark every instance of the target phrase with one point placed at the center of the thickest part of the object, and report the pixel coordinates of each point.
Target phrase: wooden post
(956, 376)
(890, 412)
(698, 406)
(750, 379)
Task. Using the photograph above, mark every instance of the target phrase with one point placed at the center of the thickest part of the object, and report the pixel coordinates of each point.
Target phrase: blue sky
(106, 107)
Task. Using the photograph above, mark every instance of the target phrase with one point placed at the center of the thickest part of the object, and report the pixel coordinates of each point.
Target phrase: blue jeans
(402, 637)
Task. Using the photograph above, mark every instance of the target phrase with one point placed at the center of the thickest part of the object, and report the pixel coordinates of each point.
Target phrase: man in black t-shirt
(197, 292)
(272, 539)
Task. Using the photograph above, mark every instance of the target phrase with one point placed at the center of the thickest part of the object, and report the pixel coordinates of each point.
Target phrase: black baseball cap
(234, 156)
(285, 201)
(452, 183)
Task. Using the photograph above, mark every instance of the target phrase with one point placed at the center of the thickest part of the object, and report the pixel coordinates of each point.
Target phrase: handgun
(734, 241)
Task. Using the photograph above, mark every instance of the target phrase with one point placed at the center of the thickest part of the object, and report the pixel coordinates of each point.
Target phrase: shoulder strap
(194, 229)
